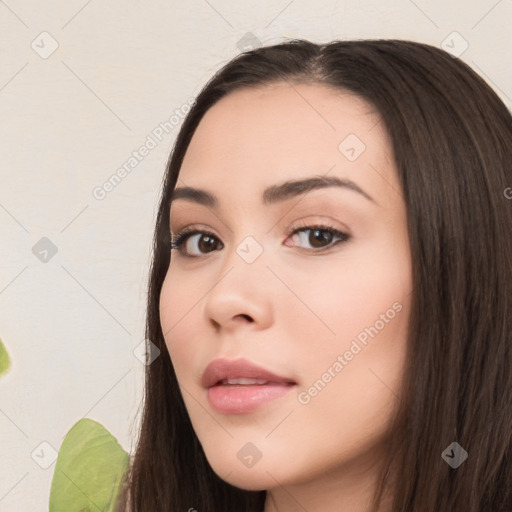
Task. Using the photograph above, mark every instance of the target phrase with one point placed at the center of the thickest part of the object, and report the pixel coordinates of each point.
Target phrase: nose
(241, 296)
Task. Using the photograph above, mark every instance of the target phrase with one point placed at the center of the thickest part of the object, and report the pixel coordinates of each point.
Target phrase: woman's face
(327, 313)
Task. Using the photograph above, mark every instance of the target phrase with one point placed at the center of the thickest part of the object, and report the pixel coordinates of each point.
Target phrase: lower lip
(243, 399)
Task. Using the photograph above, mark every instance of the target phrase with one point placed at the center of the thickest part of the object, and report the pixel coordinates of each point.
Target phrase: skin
(293, 310)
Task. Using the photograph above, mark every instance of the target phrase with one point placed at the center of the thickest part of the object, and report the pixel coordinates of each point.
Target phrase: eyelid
(308, 221)
(330, 224)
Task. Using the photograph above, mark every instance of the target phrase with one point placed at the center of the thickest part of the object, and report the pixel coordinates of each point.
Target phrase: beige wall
(71, 119)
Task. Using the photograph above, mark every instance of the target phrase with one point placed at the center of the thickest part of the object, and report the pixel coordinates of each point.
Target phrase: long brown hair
(452, 142)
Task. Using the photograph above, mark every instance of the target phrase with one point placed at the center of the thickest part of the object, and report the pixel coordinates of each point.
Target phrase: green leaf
(5, 361)
(89, 470)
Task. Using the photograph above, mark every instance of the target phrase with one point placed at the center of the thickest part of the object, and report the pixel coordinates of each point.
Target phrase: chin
(253, 478)
(248, 479)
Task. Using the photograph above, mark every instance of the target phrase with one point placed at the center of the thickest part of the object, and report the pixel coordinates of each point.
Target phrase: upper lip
(221, 369)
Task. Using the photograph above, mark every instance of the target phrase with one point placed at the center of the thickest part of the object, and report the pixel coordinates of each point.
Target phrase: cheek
(180, 294)
(351, 382)
(177, 301)
(353, 349)
(342, 298)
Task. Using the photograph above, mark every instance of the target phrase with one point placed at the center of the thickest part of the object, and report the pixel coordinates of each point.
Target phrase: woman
(331, 289)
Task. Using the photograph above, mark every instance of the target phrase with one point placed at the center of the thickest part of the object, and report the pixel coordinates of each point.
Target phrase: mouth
(240, 387)
(248, 382)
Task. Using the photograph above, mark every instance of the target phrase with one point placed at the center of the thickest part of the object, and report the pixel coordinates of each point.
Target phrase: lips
(241, 387)
(240, 372)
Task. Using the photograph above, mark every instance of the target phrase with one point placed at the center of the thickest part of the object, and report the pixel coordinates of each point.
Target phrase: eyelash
(178, 240)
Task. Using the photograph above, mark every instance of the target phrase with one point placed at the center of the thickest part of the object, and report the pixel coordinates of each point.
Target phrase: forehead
(255, 137)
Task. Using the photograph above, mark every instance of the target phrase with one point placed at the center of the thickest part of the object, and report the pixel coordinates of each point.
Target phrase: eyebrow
(275, 193)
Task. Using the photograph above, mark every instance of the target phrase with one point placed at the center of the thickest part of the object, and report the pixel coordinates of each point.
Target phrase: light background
(69, 120)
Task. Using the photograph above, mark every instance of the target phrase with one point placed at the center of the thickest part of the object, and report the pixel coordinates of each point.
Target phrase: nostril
(247, 317)
(215, 324)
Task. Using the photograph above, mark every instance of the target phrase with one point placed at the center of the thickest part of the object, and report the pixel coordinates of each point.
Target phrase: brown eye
(320, 237)
(195, 243)
(207, 243)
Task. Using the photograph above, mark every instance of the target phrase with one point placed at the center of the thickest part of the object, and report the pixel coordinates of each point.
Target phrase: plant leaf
(89, 470)
(5, 361)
